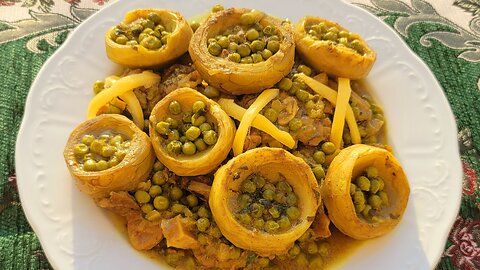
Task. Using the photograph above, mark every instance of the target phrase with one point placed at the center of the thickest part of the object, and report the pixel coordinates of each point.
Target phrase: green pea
(243, 50)
(266, 53)
(223, 42)
(366, 211)
(283, 186)
(312, 248)
(273, 46)
(324, 248)
(245, 218)
(332, 36)
(384, 197)
(328, 148)
(178, 208)
(257, 45)
(274, 212)
(246, 60)
(304, 69)
(200, 144)
(375, 201)
(142, 196)
(353, 188)
(234, 57)
(271, 115)
(151, 42)
(102, 165)
(305, 236)
(80, 149)
(205, 127)
(295, 124)
(203, 212)
(371, 172)
(210, 137)
(381, 184)
(360, 207)
(146, 208)
(194, 25)
(120, 154)
(344, 34)
(189, 148)
(269, 186)
(217, 8)
(176, 193)
(162, 128)
(294, 251)
(257, 210)
(316, 262)
(243, 200)
(247, 19)
(211, 40)
(292, 199)
(215, 232)
(98, 86)
(258, 223)
(192, 200)
(145, 186)
(269, 30)
(96, 146)
(319, 157)
(268, 194)
(232, 47)
(155, 190)
(284, 223)
(174, 147)
(271, 226)
(343, 41)
(115, 140)
(302, 95)
(113, 162)
(122, 40)
(159, 178)
(199, 106)
(214, 49)
(251, 34)
(153, 215)
(357, 46)
(285, 84)
(192, 133)
(211, 92)
(173, 135)
(174, 107)
(374, 186)
(248, 186)
(257, 58)
(358, 198)
(363, 183)
(259, 181)
(197, 119)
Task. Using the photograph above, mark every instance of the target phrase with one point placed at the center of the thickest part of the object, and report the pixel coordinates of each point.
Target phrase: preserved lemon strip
(262, 100)
(134, 107)
(121, 86)
(260, 122)
(343, 96)
(331, 95)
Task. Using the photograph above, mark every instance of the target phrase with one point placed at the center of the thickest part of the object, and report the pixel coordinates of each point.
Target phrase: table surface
(31, 30)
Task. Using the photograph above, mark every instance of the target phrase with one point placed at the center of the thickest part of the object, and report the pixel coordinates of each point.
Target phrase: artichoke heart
(336, 191)
(329, 47)
(213, 154)
(232, 75)
(272, 164)
(116, 167)
(164, 48)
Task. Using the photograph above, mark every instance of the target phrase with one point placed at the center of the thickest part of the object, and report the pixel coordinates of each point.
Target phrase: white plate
(76, 234)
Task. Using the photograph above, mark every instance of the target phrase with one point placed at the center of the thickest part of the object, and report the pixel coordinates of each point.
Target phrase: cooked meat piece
(143, 234)
(220, 255)
(320, 225)
(361, 107)
(178, 233)
(289, 110)
(177, 76)
(200, 188)
(120, 203)
(252, 141)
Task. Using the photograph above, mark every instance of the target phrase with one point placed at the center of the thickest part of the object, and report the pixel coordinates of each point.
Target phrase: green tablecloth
(445, 34)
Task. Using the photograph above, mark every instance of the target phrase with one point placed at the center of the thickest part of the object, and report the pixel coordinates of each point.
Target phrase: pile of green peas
(267, 206)
(322, 31)
(246, 43)
(147, 32)
(368, 195)
(307, 252)
(98, 153)
(187, 132)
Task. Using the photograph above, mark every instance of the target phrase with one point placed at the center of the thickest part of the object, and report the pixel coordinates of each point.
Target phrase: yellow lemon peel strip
(344, 92)
(260, 122)
(331, 95)
(262, 100)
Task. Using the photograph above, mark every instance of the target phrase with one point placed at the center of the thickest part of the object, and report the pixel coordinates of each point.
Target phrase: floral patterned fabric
(445, 34)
